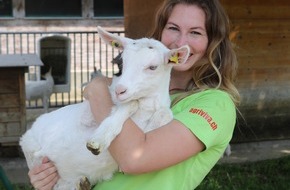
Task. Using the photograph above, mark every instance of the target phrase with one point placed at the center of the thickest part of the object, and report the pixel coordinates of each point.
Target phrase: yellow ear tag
(174, 58)
(115, 44)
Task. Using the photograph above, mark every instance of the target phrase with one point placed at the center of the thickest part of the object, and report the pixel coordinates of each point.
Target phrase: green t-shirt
(211, 116)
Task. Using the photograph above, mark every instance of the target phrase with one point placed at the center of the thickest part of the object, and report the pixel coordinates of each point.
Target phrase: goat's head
(146, 66)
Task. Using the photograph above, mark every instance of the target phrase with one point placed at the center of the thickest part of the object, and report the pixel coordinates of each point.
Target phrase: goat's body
(37, 89)
(62, 136)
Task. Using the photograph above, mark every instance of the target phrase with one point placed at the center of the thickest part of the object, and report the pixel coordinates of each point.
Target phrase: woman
(180, 154)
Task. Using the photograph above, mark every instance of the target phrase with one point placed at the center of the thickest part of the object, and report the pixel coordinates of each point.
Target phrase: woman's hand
(44, 176)
(97, 84)
(97, 93)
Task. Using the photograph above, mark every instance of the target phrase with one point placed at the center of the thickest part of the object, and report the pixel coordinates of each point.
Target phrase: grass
(263, 175)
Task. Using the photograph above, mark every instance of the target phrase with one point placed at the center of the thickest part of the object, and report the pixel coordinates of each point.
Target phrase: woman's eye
(152, 68)
(173, 28)
(195, 33)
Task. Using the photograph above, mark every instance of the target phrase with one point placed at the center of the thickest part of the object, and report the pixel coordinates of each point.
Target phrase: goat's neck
(160, 98)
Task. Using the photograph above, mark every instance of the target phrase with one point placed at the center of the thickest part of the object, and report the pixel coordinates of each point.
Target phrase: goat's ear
(178, 56)
(111, 39)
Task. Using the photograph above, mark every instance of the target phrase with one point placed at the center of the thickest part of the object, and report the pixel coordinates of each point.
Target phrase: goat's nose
(120, 89)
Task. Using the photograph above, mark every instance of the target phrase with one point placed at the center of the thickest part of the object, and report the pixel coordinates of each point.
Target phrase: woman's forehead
(190, 16)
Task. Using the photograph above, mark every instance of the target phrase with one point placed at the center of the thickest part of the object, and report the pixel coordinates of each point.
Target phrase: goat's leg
(45, 104)
(111, 127)
(228, 151)
(84, 184)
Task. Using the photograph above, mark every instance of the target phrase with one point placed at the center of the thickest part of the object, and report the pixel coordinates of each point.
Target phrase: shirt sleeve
(210, 115)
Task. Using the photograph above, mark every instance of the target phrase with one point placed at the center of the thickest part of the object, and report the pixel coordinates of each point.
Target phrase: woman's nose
(181, 40)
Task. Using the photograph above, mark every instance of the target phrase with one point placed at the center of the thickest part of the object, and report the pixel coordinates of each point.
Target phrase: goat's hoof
(93, 148)
(84, 184)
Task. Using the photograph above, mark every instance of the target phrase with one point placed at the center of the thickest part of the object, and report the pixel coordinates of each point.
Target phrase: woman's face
(186, 26)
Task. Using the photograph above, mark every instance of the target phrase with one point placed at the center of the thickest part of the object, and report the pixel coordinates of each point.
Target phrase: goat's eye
(152, 68)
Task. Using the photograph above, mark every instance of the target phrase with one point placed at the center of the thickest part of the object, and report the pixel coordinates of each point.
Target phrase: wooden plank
(14, 129)
(268, 3)
(261, 36)
(9, 84)
(265, 74)
(22, 100)
(262, 51)
(9, 73)
(9, 141)
(9, 100)
(10, 129)
(10, 115)
(139, 16)
(257, 9)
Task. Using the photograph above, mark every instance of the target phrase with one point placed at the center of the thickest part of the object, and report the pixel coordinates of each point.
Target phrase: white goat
(141, 92)
(40, 89)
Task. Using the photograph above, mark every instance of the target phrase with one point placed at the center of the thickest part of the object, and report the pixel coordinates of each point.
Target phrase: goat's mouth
(123, 99)
(127, 98)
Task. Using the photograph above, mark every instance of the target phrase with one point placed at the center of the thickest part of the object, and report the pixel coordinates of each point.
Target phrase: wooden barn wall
(261, 34)
(139, 17)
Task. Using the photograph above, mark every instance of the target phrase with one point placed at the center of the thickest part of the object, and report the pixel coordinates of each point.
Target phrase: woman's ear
(111, 39)
(179, 55)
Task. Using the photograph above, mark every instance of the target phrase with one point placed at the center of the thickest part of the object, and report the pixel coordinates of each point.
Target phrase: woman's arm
(138, 152)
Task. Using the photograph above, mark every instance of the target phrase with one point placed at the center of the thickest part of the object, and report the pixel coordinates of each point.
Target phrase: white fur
(141, 92)
(40, 89)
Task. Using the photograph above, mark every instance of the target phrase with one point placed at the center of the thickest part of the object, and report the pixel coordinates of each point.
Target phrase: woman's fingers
(45, 176)
(45, 160)
(47, 183)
